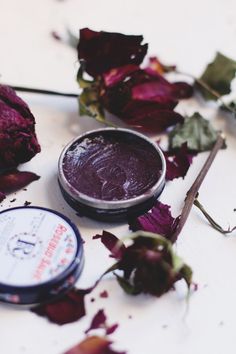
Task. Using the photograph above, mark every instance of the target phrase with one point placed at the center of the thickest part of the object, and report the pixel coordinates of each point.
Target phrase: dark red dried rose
(66, 309)
(93, 345)
(158, 220)
(18, 142)
(150, 266)
(112, 243)
(100, 321)
(102, 51)
(178, 162)
(142, 98)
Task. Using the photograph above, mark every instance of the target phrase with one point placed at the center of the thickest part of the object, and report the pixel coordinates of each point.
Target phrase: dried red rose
(93, 345)
(150, 265)
(18, 142)
(102, 51)
(158, 220)
(142, 98)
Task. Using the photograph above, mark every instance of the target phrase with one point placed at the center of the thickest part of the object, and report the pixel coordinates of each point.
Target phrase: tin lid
(41, 254)
(115, 205)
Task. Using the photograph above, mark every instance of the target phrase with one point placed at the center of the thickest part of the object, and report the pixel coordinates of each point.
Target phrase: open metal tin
(41, 255)
(112, 210)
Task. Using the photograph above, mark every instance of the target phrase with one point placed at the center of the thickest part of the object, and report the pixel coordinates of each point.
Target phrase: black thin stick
(44, 92)
(192, 193)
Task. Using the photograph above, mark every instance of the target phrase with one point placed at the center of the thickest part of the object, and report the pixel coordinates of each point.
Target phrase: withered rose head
(150, 266)
(18, 142)
(102, 51)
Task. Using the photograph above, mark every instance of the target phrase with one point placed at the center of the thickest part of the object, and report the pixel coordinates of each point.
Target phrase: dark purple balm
(111, 174)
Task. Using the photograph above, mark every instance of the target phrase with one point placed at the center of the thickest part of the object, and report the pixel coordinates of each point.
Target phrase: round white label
(36, 245)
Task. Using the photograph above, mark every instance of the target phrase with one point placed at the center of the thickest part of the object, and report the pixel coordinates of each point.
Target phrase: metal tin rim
(104, 204)
(77, 262)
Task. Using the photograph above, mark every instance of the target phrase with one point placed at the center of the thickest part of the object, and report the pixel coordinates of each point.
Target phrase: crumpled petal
(153, 120)
(102, 51)
(100, 321)
(15, 180)
(18, 141)
(93, 345)
(66, 309)
(112, 243)
(158, 220)
(178, 162)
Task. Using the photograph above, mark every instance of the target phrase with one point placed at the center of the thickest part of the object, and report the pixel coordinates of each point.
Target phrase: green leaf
(127, 286)
(218, 76)
(89, 104)
(196, 131)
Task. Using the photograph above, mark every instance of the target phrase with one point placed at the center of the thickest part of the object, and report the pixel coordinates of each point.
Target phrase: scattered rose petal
(100, 321)
(102, 51)
(15, 180)
(93, 345)
(112, 329)
(112, 243)
(66, 309)
(104, 294)
(178, 162)
(18, 142)
(158, 220)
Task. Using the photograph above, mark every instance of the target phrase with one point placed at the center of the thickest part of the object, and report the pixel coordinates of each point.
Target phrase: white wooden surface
(183, 32)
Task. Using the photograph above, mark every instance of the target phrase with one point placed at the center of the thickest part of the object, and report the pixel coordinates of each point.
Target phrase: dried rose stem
(192, 193)
(44, 92)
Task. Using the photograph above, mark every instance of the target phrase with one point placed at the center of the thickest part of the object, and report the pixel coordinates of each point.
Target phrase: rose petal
(16, 180)
(178, 162)
(93, 345)
(98, 321)
(154, 120)
(112, 243)
(67, 309)
(158, 220)
(102, 51)
(116, 75)
(103, 294)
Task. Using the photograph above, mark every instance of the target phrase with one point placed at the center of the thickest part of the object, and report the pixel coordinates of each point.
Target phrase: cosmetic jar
(111, 174)
(41, 255)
